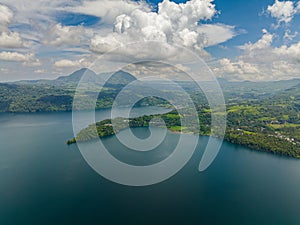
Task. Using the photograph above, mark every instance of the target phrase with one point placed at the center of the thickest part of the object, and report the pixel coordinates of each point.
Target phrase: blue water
(44, 181)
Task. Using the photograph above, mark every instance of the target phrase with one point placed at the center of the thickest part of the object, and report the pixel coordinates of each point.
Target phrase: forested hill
(72, 80)
(34, 98)
(270, 124)
(57, 95)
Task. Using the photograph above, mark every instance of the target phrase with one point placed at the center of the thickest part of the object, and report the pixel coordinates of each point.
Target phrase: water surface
(44, 181)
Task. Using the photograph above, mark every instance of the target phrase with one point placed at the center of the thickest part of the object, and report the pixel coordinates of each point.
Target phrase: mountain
(57, 95)
(119, 79)
(294, 88)
(290, 95)
(255, 90)
(75, 77)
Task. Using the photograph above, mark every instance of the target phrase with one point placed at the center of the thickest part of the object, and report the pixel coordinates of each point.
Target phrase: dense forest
(267, 125)
(57, 95)
(264, 117)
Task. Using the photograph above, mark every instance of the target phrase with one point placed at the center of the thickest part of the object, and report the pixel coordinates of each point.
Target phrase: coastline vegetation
(258, 127)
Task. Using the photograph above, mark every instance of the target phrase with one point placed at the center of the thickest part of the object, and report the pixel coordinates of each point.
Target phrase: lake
(44, 181)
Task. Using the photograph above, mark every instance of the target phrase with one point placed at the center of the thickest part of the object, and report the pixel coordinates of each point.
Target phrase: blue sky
(240, 40)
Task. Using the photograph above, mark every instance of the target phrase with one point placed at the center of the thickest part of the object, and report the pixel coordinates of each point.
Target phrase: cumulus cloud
(6, 16)
(262, 44)
(128, 22)
(8, 39)
(37, 23)
(262, 50)
(173, 24)
(283, 11)
(108, 10)
(238, 69)
(65, 63)
(18, 57)
(262, 61)
(59, 35)
(280, 69)
(291, 52)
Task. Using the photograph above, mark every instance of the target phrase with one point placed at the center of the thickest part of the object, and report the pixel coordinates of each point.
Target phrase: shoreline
(226, 138)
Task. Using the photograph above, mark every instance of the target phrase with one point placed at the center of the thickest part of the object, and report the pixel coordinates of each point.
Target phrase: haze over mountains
(57, 95)
(73, 79)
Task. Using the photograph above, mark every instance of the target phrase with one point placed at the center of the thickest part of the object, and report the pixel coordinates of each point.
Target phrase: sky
(256, 40)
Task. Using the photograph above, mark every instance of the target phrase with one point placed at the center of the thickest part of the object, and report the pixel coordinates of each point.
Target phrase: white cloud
(28, 12)
(215, 34)
(108, 10)
(280, 69)
(28, 59)
(65, 63)
(6, 16)
(189, 13)
(289, 36)
(173, 24)
(60, 35)
(262, 61)
(103, 44)
(40, 71)
(263, 51)
(32, 63)
(283, 11)
(17, 57)
(128, 22)
(36, 22)
(238, 67)
(291, 52)
(262, 44)
(8, 39)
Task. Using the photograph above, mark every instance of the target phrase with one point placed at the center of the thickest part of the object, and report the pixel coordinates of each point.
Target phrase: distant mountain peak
(77, 75)
(120, 78)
